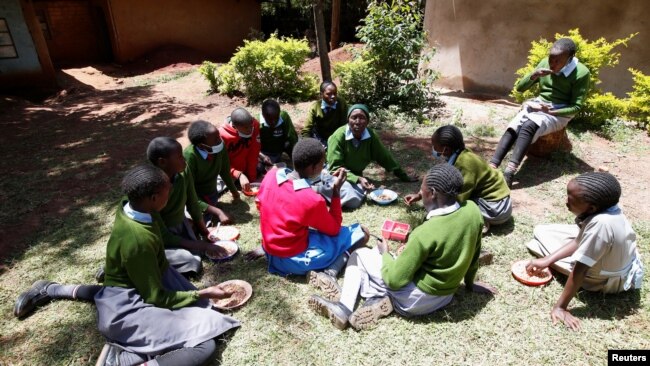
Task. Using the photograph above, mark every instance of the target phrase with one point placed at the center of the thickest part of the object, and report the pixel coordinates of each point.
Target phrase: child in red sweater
(300, 235)
(241, 134)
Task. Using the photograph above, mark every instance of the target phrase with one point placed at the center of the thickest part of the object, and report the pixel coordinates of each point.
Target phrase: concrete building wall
(215, 27)
(32, 66)
(480, 44)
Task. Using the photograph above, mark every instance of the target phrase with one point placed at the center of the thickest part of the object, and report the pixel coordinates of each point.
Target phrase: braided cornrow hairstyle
(599, 189)
(307, 152)
(161, 147)
(198, 131)
(445, 179)
(143, 181)
(449, 135)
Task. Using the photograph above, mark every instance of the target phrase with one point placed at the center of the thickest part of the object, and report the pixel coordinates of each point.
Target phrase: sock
(73, 292)
(351, 286)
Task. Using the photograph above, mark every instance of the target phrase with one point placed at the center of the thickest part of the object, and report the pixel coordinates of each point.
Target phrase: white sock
(351, 286)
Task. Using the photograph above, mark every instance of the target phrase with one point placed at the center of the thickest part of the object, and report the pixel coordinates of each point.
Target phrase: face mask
(216, 148)
(244, 136)
(437, 156)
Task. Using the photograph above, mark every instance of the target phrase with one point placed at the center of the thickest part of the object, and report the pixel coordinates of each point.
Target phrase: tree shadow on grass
(536, 171)
(73, 149)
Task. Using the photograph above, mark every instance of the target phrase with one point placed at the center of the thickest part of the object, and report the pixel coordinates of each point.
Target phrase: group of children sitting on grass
(151, 314)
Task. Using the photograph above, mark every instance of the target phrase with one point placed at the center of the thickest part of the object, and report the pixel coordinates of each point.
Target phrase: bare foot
(254, 254)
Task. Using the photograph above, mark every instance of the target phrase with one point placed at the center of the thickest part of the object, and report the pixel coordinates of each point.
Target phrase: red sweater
(243, 153)
(286, 216)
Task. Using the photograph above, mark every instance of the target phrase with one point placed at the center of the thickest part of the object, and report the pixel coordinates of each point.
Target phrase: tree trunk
(548, 144)
(334, 35)
(321, 40)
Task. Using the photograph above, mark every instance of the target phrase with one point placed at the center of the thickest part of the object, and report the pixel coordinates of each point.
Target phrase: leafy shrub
(595, 55)
(263, 69)
(393, 68)
(639, 100)
(208, 69)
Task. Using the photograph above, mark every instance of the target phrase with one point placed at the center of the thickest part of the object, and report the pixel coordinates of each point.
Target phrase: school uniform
(355, 154)
(177, 226)
(606, 244)
(205, 169)
(147, 307)
(278, 139)
(299, 232)
(439, 254)
(323, 119)
(243, 152)
(566, 91)
(483, 185)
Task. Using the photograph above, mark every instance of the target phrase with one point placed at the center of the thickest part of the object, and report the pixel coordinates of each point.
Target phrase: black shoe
(326, 283)
(99, 275)
(32, 298)
(335, 311)
(366, 316)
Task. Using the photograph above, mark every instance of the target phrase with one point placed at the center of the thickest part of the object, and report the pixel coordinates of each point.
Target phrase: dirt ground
(62, 152)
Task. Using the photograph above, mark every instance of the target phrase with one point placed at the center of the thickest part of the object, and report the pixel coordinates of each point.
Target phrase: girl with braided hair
(439, 255)
(481, 184)
(148, 312)
(599, 254)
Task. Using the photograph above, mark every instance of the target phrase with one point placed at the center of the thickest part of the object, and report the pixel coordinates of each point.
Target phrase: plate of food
(231, 249)
(223, 233)
(531, 279)
(254, 189)
(241, 293)
(383, 196)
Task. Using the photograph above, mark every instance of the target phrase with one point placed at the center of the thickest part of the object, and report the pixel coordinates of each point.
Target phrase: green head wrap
(363, 107)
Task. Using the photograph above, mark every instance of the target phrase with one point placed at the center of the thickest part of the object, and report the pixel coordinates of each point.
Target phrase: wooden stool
(548, 144)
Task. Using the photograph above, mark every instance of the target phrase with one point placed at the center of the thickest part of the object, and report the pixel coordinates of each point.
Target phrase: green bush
(595, 55)
(208, 70)
(393, 68)
(263, 69)
(638, 108)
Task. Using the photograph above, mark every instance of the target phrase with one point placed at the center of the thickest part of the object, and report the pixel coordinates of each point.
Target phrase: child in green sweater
(353, 147)
(147, 311)
(439, 255)
(325, 115)
(182, 248)
(277, 134)
(563, 85)
(207, 160)
(482, 184)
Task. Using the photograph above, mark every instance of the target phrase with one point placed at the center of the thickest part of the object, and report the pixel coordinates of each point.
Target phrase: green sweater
(204, 172)
(325, 124)
(558, 89)
(135, 258)
(342, 153)
(439, 254)
(274, 139)
(479, 180)
(182, 194)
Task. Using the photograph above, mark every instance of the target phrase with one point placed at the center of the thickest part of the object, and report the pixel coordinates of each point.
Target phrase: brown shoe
(335, 311)
(326, 283)
(485, 258)
(366, 316)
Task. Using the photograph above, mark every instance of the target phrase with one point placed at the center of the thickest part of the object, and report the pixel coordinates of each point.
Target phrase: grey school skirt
(126, 320)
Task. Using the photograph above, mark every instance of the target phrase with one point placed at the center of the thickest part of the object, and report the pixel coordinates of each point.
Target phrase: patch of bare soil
(340, 54)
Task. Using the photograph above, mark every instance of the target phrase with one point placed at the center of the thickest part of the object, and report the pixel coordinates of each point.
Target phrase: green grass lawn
(278, 328)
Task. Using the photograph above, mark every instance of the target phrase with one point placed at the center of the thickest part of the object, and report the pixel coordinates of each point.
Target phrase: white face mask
(245, 136)
(216, 148)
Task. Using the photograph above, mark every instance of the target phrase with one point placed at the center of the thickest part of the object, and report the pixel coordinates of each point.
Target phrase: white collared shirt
(569, 67)
(263, 121)
(142, 217)
(349, 136)
(282, 176)
(443, 211)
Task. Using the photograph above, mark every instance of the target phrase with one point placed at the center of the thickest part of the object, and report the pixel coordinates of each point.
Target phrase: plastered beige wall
(215, 27)
(480, 44)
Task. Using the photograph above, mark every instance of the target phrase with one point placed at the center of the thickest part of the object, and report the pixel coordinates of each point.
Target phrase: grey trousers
(495, 212)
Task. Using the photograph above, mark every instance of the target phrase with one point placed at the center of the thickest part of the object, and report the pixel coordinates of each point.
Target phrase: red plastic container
(393, 230)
